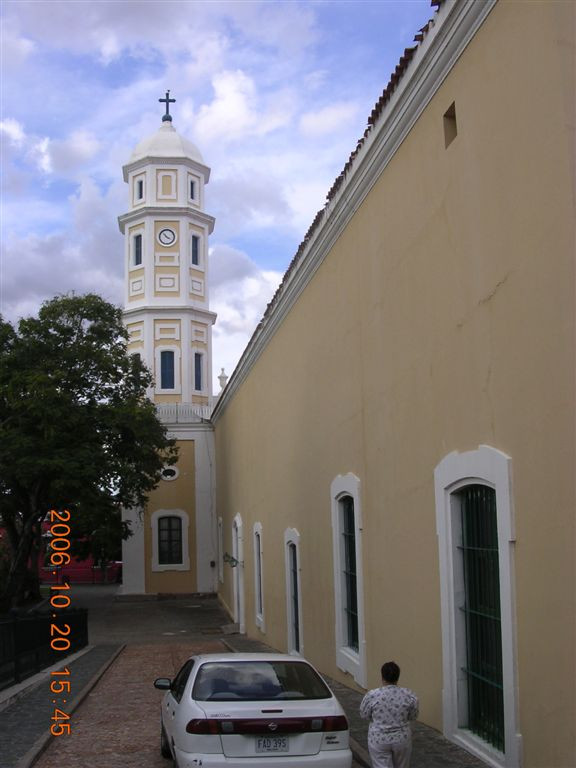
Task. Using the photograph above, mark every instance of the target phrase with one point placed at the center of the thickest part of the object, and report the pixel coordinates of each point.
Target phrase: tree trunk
(16, 584)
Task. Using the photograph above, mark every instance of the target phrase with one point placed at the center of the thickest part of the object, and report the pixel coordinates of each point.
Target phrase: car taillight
(204, 727)
(335, 723)
(211, 726)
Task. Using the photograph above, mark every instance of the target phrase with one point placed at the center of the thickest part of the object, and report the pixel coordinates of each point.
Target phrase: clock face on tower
(166, 236)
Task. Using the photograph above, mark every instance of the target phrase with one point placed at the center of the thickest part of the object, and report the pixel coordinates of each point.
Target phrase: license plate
(272, 744)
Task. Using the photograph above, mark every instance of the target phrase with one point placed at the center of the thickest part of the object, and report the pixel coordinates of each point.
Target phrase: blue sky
(275, 95)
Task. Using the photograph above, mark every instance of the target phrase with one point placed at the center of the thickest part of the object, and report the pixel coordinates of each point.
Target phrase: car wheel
(165, 750)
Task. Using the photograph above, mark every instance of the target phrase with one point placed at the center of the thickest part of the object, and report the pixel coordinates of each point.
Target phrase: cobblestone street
(115, 709)
(118, 724)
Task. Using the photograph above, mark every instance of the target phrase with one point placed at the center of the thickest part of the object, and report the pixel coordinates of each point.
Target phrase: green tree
(77, 431)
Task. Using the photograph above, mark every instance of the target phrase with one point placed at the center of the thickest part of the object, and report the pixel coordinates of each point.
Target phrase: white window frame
(132, 255)
(238, 573)
(486, 466)
(348, 659)
(195, 198)
(291, 536)
(258, 576)
(140, 178)
(185, 564)
(201, 260)
(158, 370)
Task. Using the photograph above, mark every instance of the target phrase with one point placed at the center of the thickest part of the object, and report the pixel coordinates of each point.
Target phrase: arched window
(474, 519)
(293, 591)
(258, 576)
(348, 581)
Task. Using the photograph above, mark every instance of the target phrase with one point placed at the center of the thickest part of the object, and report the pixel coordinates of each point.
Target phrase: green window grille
(481, 610)
(293, 566)
(350, 574)
(169, 540)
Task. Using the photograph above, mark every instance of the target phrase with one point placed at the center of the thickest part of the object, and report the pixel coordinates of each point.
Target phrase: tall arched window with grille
(475, 525)
(348, 577)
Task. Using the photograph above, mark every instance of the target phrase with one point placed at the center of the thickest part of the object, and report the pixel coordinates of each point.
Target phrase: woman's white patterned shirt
(389, 710)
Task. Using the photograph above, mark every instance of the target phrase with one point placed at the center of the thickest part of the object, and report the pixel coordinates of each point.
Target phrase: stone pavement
(114, 706)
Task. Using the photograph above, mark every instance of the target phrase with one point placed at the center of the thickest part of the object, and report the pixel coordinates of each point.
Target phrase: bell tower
(167, 315)
(166, 266)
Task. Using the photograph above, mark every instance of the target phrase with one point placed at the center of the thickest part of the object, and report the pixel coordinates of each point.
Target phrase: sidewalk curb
(28, 760)
(12, 694)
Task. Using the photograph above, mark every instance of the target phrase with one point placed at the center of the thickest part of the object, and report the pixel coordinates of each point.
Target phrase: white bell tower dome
(166, 304)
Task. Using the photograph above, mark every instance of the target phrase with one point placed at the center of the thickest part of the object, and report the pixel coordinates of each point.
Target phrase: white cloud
(66, 156)
(232, 113)
(328, 119)
(240, 293)
(13, 130)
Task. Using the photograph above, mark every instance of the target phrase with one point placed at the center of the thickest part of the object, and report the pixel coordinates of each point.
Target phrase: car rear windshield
(257, 681)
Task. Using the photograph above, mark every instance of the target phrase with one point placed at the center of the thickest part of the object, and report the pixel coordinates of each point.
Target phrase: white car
(252, 710)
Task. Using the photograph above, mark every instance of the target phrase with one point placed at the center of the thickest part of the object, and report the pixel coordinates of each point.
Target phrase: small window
(137, 249)
(139, 189)
(195, 250)
(166, 369)
(450, 127)
(192, 190)
(198, 364)
(169, 473)
(169, 540)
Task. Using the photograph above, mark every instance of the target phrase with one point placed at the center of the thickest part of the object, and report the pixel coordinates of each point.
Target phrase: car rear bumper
(330, 758)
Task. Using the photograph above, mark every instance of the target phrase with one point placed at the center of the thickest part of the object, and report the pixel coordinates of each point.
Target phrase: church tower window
(198, 366)
(137, 250)
(195, 250)
(166, 369)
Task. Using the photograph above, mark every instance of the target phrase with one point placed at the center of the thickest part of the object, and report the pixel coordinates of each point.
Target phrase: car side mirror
(163, 683)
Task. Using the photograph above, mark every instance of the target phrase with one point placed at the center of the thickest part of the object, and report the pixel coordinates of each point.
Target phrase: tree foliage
(77, 430)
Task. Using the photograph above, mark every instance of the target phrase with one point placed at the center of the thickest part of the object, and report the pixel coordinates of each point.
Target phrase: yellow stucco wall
(442, 319)
(176, 494)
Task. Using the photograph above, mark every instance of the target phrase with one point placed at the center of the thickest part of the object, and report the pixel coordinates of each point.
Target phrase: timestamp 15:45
(60, 686)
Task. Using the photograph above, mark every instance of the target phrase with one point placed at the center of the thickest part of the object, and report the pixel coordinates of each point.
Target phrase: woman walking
(389, 709)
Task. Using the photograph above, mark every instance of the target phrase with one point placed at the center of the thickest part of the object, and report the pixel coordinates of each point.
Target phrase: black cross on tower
(167, 117)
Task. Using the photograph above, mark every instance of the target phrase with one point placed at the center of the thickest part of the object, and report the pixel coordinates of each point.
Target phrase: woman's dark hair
(390, 672)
